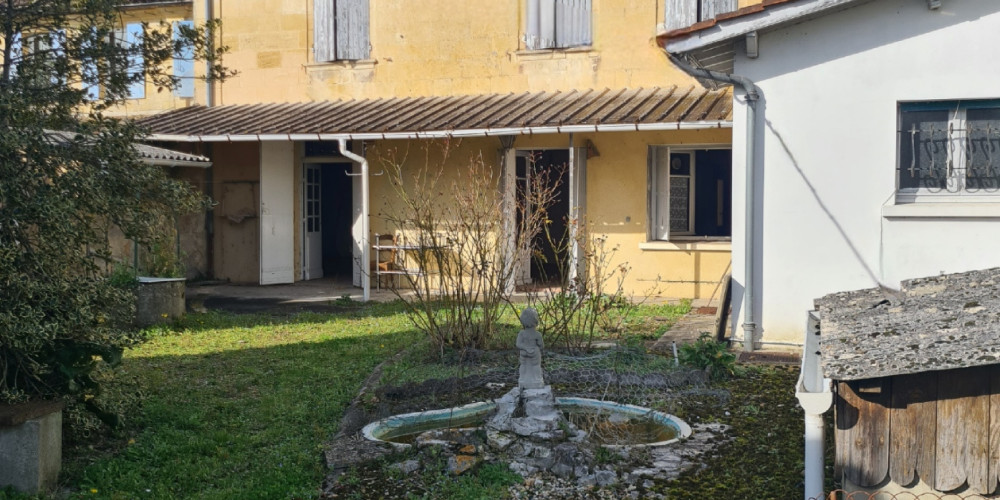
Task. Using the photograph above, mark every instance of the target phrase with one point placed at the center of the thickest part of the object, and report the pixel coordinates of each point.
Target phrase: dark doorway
(337, 216)
(549, 249)
(713, 187)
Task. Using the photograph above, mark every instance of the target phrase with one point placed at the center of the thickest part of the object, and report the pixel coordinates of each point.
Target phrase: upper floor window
(948, 148)
(557, 24)
(683, 13)
(341, 30)
(183, 61)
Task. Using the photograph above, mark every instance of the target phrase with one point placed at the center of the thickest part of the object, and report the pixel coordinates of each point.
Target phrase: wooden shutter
(712, 8)
(132, 37)
(184, 63)
(680, 13)
(572, 23)
(352, 29)
(324, 30)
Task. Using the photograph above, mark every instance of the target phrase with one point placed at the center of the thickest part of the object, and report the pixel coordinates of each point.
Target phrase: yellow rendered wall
(236, 223)
(616, 201)
(434, 47)
(155, 101)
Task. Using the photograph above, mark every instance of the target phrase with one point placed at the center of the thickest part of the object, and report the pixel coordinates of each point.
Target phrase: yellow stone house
(327, 86)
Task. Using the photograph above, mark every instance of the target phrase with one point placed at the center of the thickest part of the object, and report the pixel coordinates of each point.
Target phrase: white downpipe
(366, 281)
(209, 85)
(815, 397)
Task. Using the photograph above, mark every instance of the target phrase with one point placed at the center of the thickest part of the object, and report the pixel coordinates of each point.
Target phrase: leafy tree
(68, 173)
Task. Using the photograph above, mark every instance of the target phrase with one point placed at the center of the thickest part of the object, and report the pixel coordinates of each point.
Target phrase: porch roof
(670, 108)
(936, 323)
(152, 155)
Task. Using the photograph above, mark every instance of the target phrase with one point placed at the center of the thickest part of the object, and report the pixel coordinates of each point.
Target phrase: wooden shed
(917, 379)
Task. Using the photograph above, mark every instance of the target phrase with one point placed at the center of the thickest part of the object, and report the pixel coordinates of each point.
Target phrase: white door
(312, 222)
(277, 192)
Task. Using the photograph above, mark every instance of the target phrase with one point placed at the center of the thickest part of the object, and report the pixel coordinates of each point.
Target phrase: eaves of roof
(731, 26)
(666, 108)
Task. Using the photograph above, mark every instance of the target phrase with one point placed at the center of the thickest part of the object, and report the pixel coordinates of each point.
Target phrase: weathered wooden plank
(679, 14)
(572, 23)
(324, 31)
(994, 454)
(353, 42)
(912, 428)
(862, 431)
(712, 8)
(962, 429)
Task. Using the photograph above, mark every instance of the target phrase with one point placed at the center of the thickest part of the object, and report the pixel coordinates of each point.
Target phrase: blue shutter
(572, 23)
(133, 38)
(16, 53)
(352, 19)
(91, 85)
(184, 63)
(58, 51)
(324, 31)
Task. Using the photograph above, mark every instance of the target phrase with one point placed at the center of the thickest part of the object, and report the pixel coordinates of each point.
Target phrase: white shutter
(324, 30)
(546, 24)
(572, 23)
(352, 30)
(712, 8)
(680, 13)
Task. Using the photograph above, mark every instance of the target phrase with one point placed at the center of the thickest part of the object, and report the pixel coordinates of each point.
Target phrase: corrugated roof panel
(451, 113)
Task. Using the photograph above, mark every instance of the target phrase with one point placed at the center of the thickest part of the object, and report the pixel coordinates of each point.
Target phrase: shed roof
(937, 323)
(486, 114)
(150, 154)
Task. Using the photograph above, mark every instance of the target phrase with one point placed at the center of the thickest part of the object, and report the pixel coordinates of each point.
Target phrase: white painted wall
(830, 86)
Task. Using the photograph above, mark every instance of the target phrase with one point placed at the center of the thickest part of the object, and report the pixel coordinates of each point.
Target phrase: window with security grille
(948, 149)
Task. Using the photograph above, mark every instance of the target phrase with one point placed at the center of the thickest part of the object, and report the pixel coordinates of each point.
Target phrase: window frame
(957, 162)
(653, 195)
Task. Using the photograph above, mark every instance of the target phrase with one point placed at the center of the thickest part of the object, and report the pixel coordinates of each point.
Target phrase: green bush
(710, 355)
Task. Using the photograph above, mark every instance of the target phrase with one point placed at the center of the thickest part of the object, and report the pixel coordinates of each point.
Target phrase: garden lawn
(238, 406)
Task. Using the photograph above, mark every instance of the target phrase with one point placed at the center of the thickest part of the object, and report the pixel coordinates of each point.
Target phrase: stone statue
(529, 345)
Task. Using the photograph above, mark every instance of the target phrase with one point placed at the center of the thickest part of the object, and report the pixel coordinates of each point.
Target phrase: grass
(238, 406)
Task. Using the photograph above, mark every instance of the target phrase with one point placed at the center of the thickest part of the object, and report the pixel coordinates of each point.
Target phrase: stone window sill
(974, 210)
(688, 245)
(359, 64)
(547, 54)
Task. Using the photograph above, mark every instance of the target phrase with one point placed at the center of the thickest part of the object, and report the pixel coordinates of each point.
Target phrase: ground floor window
(689, 193)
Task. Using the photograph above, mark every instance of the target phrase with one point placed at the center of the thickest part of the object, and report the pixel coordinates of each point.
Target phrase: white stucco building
(877, 145)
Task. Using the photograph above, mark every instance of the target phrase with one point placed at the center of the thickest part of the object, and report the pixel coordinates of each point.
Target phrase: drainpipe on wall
(209, 85)
(366, 282)
(815, 397)
(752, 97)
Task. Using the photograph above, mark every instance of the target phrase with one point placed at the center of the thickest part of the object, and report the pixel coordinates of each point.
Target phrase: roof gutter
(444, 134)
(752, 94)
(177, 163)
